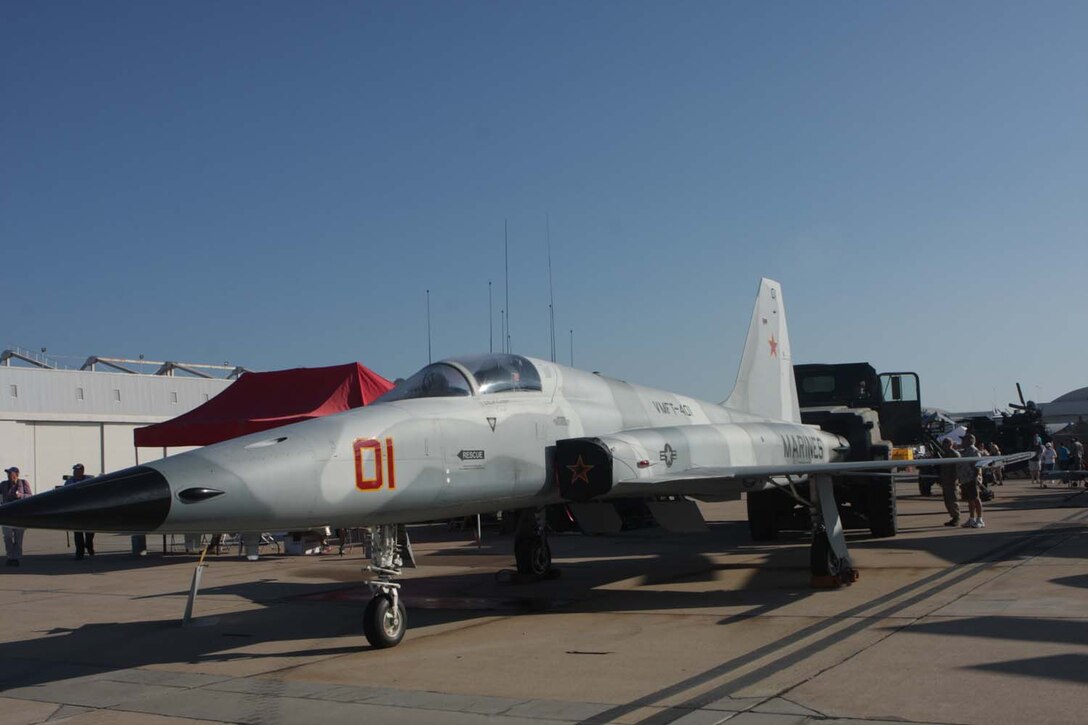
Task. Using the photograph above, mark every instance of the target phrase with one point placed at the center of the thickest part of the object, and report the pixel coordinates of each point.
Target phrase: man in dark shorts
(947, 476)
(970, 480)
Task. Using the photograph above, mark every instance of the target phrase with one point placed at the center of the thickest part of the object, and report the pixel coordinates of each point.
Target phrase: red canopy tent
(259, 401)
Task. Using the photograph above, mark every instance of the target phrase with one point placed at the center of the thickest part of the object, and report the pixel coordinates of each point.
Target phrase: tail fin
(765, 384)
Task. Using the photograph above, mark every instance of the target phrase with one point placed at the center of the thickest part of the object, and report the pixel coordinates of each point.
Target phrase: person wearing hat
(13, 489)
(84, 539)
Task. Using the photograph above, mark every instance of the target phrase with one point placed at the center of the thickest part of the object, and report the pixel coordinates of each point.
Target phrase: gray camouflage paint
(269, 478)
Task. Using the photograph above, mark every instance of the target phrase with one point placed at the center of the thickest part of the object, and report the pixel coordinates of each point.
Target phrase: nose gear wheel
(384, 621)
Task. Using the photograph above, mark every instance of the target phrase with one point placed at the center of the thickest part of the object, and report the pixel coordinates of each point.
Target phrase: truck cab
(880, 415)
(895, 397)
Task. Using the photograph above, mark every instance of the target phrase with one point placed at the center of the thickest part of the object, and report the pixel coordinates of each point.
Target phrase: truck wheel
(761, 516)
(882, 518)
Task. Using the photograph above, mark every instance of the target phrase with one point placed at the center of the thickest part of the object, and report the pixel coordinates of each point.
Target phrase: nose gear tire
(383, 625)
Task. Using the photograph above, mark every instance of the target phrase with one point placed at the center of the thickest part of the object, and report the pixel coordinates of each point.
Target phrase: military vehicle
(1013, 432)
(881, 417)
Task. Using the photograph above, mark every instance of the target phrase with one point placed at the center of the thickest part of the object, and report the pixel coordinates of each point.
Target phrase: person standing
(1036, 464)
(970, 479)
(1063, 457)
(13, 489)
(998, 471)
(1078, 458)
(1047, 457)
(84, 539)
(948, 479)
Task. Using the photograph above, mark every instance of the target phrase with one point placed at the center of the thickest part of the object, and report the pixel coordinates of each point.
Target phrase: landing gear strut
(531, 550)
(385, 619)
(829, 558)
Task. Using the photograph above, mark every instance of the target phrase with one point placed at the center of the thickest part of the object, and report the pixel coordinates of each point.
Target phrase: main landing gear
(385, 619)
(531, 550)
(829, 559)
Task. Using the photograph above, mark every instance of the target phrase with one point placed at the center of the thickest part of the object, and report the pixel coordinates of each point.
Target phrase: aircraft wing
(609, 467)
(804, 469)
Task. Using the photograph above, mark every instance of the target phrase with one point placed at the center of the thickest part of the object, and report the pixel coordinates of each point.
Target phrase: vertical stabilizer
(765, 385)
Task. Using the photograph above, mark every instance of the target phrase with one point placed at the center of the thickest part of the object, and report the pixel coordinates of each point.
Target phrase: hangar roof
(44, 394)
(1073, 396)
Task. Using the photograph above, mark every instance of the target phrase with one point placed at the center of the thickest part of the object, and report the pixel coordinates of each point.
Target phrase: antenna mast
(490, 320)
(506, 249)
(551, 287)
(428, 327)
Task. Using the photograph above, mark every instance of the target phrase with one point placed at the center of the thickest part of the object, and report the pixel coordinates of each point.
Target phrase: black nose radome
(133, 499)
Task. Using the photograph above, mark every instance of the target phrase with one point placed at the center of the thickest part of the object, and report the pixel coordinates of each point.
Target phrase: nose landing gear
(385, 619)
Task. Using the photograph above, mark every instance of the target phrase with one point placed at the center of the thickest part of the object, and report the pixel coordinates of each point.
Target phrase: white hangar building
(52, 418)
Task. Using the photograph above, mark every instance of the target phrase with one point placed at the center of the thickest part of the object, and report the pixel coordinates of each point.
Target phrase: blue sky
(277, 184)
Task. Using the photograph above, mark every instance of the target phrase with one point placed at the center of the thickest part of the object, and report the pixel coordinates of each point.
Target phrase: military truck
(881, 417)
(1014, 432)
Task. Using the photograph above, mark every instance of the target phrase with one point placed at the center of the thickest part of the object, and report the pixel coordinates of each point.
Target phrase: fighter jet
(484, 433)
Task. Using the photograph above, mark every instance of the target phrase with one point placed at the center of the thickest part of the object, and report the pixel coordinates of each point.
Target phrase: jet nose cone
(133, 499)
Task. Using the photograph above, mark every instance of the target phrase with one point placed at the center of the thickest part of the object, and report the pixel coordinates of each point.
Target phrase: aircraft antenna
(506, 250)
(490, 320)
(572, 348)
(502, 328)
(428, 327)
(551, 287)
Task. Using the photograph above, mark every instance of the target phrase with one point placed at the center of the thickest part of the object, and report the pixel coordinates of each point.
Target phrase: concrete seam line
(974, 565)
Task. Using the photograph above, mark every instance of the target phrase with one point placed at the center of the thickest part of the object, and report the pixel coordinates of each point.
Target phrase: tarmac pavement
(944, 626)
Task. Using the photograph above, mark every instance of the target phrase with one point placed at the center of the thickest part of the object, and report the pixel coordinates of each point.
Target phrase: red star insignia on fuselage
(774, 346)
(580, 470)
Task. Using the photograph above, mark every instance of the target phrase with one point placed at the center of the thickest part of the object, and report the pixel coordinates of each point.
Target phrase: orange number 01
(370, 449)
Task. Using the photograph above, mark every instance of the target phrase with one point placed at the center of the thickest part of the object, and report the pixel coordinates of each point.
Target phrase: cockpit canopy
(501, 373)
(493, 373)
